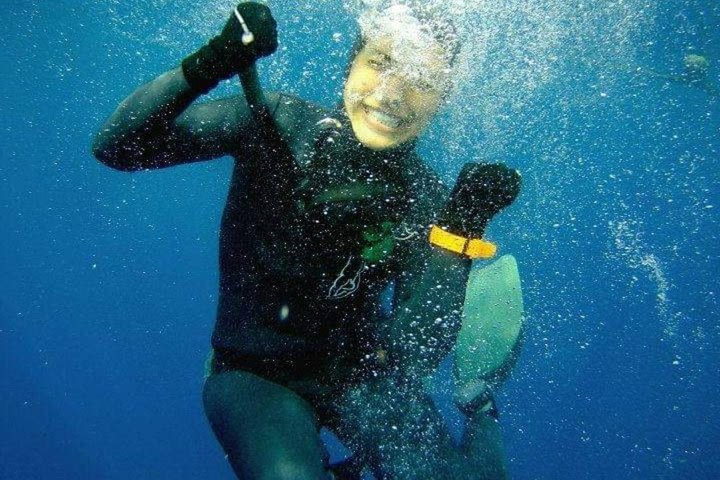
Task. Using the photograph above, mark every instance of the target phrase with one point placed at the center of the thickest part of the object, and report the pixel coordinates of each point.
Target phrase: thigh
(267, 430)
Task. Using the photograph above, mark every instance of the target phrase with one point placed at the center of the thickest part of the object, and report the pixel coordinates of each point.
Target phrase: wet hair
(440, 26)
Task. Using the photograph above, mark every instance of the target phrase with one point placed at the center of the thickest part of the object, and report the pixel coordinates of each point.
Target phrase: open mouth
(382, 120)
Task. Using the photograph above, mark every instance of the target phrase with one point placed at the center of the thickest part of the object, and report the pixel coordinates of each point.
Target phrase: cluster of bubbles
(630, 248)
(515, 57)
(412, 40)
(512, 50)
(309, 51)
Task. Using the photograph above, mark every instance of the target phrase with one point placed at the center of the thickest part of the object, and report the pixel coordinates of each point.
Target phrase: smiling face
(390, 102)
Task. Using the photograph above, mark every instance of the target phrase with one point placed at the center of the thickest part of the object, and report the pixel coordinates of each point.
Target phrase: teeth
(390, 121)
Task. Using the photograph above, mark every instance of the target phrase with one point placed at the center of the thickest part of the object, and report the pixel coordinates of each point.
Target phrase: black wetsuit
(302, 276)
(316, 229)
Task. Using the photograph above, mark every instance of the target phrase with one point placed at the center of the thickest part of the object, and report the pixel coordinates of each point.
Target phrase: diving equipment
(489, 339)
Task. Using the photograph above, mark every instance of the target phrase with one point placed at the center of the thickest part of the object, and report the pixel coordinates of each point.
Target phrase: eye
(379, 63)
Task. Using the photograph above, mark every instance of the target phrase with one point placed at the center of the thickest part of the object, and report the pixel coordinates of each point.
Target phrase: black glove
(481, 191)
(226, 54)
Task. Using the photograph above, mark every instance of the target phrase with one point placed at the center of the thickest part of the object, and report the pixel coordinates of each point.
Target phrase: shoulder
(292, 112)
(234, 110)
(228, 113)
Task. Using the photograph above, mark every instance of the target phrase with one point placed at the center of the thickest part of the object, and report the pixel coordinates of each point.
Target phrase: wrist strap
(470, 247)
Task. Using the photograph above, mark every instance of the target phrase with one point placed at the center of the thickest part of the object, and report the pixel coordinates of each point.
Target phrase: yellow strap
(470, 247)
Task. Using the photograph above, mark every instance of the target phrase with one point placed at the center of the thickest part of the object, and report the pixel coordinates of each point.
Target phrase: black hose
(253, 92)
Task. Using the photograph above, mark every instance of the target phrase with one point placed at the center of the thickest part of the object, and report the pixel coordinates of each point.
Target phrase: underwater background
(109, 279)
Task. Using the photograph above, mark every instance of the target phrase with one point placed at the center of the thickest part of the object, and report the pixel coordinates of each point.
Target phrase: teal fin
(492, 326)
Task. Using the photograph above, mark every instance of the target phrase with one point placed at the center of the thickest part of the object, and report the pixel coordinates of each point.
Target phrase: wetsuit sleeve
(429, 296)
(159, 125)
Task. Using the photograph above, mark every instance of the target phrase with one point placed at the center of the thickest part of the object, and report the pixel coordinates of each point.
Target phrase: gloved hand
(226, 54)
(481, 191)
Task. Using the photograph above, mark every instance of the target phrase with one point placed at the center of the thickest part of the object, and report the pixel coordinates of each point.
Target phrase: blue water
(109, 280)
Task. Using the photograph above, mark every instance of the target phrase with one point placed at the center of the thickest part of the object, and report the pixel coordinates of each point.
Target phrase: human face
(387, 104)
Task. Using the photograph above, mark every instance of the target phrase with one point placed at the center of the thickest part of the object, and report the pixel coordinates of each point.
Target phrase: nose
(390, 91)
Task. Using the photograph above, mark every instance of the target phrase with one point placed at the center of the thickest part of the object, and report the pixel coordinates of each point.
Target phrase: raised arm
(429, 297)
(156, 126)
(430, 290)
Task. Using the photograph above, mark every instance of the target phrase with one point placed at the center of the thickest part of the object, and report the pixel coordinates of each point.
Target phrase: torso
(307, 248)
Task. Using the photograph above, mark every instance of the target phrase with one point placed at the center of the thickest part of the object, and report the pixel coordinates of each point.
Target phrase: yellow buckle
(470, 247)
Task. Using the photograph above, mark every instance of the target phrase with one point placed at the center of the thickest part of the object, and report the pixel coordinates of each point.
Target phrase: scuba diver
(696, 73)
(329, 212)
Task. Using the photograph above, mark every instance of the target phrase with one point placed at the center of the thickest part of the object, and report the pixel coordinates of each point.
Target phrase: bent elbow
(112, 156)
(103, 154)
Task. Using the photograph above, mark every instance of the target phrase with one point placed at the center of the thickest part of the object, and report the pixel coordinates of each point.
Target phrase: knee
(293, 408)
(226, 399)
(215, 393)
(247, 413)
